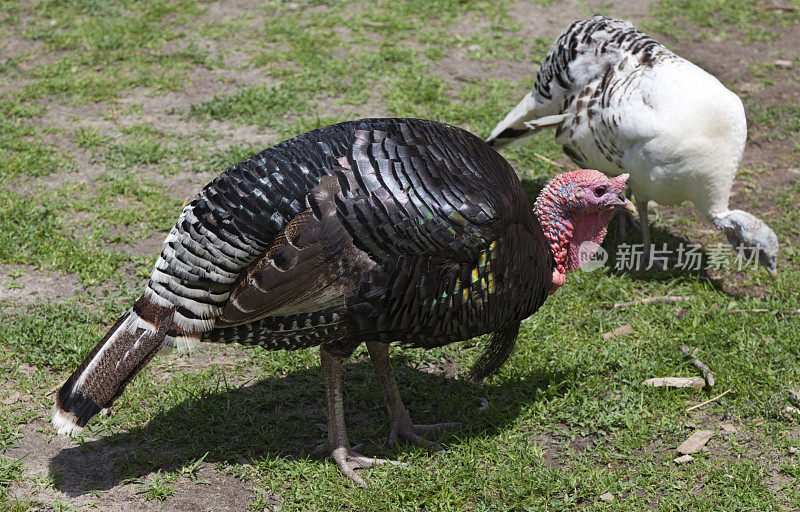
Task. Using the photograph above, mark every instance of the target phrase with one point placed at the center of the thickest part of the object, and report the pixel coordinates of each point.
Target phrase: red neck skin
(566, 229)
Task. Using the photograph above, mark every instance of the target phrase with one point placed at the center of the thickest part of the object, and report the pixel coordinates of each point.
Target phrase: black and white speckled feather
(586, 64)
(289, 332)
(621, 102)
(395, 230)
(588, 48)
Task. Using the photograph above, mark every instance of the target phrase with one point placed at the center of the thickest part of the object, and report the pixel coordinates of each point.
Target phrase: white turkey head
(747, 233)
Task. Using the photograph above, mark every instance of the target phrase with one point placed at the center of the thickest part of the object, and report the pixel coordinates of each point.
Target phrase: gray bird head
(747, 233)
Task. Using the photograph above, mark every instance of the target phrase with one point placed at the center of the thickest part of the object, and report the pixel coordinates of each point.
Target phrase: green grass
(781, 121)
(10, 470)
(107, 48)
(160, 487)
(31, 233)
(720, 19)
(55, 334)
(90, 169)
(21, 151)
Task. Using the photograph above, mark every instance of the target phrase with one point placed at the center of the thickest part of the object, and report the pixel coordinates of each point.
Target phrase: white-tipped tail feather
(129, 344)
(65, 423)
(545, 122)
(512, 129)
(180, 344)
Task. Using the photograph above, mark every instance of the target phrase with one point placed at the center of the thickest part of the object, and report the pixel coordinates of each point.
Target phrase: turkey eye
(600, 191)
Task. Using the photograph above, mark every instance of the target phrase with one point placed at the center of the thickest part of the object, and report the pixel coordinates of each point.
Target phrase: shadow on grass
(632, 235)
(662, 240)
(281, 418)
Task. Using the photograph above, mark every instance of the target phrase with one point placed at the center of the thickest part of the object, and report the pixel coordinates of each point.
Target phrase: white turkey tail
(514, 128)
(545, 122)
(126, 348)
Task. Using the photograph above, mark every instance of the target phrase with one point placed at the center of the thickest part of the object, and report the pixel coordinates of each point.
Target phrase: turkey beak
(771, 268)
(623, 203)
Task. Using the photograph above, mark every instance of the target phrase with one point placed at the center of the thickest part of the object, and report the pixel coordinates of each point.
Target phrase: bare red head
(574, 208)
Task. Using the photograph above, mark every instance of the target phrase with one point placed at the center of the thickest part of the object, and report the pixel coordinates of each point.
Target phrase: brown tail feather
(102, 376)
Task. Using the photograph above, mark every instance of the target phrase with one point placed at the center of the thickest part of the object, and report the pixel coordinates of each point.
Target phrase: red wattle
(558, 281)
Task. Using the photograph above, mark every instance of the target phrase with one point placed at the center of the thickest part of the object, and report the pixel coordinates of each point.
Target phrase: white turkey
(621, 102)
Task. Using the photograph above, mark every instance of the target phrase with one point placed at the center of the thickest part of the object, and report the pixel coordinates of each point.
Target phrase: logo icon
(591, 256)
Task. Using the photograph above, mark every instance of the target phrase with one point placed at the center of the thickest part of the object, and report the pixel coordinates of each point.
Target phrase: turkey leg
(400, 421)
(623, 220)
(338, 446)
(641, 207)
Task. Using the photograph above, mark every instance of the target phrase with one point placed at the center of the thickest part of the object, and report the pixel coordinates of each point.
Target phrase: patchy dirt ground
(88, 477)
(25, 284)
(86, 473)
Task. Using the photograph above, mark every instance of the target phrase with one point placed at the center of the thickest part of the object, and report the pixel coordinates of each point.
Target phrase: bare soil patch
(36, 284)
(81, 471)
(549, 21)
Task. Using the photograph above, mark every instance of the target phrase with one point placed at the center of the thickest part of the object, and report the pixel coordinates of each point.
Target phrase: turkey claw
(349, 461)
(414, 434)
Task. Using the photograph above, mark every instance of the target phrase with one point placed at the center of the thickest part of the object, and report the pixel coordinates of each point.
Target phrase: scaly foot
(350, 460)
(403, 428)
(337, 445)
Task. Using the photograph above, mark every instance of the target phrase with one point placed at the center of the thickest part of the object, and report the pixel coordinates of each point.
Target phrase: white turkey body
(622, 102)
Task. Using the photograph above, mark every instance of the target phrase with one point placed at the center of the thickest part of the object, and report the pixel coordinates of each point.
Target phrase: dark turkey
(377, 231)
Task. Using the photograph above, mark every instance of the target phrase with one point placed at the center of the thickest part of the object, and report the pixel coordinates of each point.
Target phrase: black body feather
(394, 230)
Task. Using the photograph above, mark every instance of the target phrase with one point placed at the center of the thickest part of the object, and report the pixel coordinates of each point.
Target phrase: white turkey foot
(400, 421)
(337, 445)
